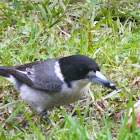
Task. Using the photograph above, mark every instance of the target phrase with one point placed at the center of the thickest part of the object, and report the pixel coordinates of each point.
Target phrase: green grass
(107, 31)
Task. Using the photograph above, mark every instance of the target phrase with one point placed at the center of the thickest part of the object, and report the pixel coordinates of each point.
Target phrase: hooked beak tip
(109, 84)
(112, 86)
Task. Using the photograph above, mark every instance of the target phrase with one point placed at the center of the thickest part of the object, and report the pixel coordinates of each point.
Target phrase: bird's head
(80, 67)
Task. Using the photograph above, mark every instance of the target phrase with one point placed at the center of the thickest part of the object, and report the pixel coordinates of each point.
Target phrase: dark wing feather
(38, 75)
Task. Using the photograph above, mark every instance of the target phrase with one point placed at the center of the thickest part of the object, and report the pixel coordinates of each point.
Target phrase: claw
(44, 115)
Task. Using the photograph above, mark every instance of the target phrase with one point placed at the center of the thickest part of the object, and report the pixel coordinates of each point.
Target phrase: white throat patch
(58, 71)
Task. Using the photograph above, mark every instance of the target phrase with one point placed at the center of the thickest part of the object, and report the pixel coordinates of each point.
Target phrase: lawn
(106, 31)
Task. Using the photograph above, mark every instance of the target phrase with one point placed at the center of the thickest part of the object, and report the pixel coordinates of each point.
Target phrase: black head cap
(76, 67)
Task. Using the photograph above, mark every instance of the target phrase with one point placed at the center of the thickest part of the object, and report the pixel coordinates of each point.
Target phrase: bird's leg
(44, 115)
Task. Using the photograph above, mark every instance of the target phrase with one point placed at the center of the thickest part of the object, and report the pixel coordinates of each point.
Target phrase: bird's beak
(102, 80)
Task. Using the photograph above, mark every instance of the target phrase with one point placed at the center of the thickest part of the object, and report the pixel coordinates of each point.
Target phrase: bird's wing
(38, 75)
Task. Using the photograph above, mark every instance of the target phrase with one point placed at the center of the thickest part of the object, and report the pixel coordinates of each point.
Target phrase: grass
(107, 31)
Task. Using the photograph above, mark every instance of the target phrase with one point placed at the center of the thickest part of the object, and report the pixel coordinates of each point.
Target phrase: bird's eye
(91, 74)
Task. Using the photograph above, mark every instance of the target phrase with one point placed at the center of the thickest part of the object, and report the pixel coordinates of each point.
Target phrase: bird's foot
(44, 115)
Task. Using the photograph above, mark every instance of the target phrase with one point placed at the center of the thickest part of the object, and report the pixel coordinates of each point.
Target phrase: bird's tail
(3, 72)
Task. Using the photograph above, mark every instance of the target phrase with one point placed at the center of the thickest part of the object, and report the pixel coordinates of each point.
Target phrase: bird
(55, 82)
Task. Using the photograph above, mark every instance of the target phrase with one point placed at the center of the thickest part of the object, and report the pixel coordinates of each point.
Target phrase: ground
(106, 31)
